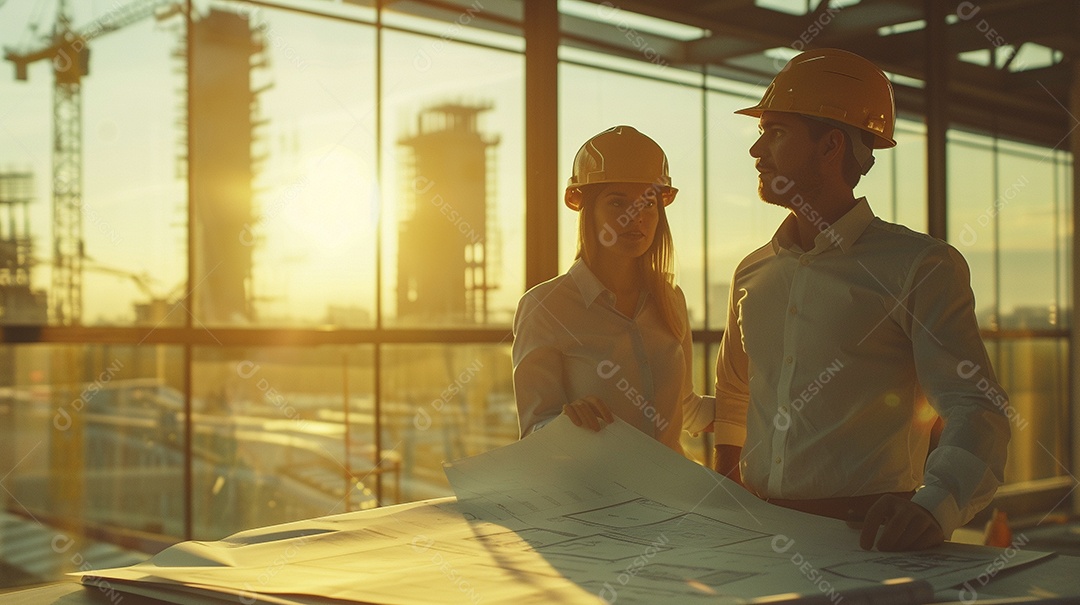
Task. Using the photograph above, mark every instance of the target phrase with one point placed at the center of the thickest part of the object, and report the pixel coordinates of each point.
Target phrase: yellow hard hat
(836, 85)
(620, 154)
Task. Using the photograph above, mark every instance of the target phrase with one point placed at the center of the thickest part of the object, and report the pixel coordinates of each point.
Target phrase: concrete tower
(445, 263)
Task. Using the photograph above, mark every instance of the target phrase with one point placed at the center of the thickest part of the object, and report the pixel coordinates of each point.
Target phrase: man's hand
(907, 526)
(589, 412)
(727, 462)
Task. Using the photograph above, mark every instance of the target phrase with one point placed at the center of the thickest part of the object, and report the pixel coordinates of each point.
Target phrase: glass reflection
(281, 434)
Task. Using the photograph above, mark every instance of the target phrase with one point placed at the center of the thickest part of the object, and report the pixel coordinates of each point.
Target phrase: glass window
(1026, 203)
(281, 434)
(117, 254)
(1063, 187)
(972, 219)
(286, 202)
(444, 402)
(93, 438)
(453, 182)
(907, 161)
(1034, 371)
(739, 222)
(1008, 219)
(879, 185)
(896, 185)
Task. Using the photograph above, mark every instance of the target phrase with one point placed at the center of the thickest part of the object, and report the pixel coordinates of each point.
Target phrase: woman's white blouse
(569, 342)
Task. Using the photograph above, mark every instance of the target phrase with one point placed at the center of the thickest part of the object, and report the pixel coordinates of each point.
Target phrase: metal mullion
(189, 477)
(706, 442)
(377, 355)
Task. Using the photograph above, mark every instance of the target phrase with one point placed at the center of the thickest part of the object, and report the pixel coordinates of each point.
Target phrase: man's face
(786, 159)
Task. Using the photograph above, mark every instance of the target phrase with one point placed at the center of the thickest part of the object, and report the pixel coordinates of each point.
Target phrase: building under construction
(446, 264)
(221, 163)
(19, 303)
(216, 151)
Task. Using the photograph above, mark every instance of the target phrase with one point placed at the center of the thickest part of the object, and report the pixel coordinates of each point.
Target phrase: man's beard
(781, 191)
(772, 198)
(777, 190)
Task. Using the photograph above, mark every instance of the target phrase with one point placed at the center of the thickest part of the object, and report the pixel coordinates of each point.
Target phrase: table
(1052, 581)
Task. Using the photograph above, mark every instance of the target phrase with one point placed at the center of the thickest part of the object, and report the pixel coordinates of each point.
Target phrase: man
(840, 324)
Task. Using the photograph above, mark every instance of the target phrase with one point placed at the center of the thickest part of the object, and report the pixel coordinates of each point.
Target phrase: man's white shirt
(827, 353)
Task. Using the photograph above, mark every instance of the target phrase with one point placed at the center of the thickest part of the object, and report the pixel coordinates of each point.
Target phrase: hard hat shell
(834, 84)
(620, 154)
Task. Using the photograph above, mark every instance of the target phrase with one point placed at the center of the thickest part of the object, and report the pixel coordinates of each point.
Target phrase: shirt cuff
(942, 505)
(700, 419)
(727, 433)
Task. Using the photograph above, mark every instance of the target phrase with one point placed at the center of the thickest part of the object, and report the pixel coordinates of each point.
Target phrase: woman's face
(625, 218)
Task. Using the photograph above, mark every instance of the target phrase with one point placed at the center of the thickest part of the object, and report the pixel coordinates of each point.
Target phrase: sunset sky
(318, 192)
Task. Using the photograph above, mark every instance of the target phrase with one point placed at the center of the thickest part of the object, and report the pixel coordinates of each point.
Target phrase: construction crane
(69, 53)
(157, 306)
(142, 280)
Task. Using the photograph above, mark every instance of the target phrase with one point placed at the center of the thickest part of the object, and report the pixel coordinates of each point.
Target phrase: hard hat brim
(668, 195)
(880, 141)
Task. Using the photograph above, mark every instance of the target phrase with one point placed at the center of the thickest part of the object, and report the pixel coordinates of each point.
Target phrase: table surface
(1055, 580)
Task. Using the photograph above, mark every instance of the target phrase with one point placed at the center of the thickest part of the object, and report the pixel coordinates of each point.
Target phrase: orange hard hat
(835, 85)
(620, 154)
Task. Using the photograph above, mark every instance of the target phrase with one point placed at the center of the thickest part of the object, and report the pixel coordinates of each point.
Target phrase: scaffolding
(447, 236)
(19, 303)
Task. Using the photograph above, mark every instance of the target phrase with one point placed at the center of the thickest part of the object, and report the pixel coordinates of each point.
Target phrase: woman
(610, 337)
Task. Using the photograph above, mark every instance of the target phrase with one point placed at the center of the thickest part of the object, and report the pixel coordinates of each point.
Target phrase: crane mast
(70, 56)
(69, 65)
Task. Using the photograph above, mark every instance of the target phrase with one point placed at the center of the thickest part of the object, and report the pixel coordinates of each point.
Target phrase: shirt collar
(843, 233)
(586, 281)
(849, 228)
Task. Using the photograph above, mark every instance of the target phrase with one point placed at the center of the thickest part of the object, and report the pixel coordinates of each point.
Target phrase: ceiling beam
(1018, 104)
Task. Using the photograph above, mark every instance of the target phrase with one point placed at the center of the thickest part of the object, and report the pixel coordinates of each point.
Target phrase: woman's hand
(589, 412)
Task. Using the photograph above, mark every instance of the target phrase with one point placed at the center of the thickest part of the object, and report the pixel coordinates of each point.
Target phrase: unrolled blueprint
(565, 515)
(659, 524)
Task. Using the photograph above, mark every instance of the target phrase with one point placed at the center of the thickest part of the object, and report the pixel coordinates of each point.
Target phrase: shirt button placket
(787, 372)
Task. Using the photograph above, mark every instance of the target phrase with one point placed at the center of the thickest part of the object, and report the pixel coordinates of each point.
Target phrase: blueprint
(661, 524)
(565, 515)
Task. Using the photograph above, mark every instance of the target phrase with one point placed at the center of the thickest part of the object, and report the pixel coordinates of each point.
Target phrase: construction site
(261, 260)
(299, 426)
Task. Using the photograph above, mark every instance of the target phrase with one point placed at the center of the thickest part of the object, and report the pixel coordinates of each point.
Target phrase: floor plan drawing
(565, 515)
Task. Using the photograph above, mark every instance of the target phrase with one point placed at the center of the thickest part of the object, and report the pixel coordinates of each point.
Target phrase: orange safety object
(998, 533)
(620, 154)
(836, 85)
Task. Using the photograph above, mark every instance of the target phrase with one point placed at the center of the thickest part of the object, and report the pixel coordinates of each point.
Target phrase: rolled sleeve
(732, 382)
(964, 471)
(537, 361)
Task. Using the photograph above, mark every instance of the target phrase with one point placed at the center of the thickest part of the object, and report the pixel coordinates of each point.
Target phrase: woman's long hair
(657, 264)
